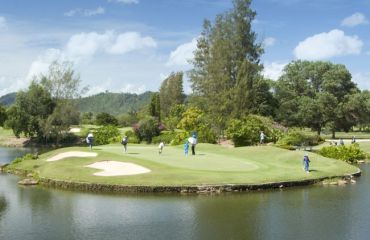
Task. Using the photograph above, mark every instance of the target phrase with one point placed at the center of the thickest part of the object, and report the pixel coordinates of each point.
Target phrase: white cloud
(273, 70)
(182, 54)
(87, 44)
(327, 45)
(354, 20)
(130, 41)
(268, 42)
(125, 1)
(3, 23)
(362, 80)
(130, 88)
(84, 12)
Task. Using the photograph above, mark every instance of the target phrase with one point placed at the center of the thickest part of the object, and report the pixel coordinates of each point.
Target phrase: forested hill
(114, 103)
(8, 99)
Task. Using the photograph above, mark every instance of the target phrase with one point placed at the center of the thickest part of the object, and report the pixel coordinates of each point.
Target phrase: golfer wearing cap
(306, 163)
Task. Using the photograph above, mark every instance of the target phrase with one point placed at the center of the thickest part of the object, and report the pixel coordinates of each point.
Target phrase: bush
(347, 153)
(180, 138)
(298, 138)
(166, 137)
(146, 129)
(106, 119)
(246, 131)
(131, 137)
(28, 156)
(107, 134)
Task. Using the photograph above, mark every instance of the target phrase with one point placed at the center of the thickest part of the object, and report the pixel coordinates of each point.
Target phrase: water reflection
(3, 206)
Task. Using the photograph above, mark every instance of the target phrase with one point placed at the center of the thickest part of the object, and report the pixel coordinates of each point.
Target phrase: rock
(30, 175)
(281, 186)
(2, 166)
(28, 181)
(360, 161)
(342, 182)
(353, 181)
(333, 183)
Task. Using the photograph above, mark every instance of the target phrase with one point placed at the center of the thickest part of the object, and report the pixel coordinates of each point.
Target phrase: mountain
(8, 99)
(114, 103)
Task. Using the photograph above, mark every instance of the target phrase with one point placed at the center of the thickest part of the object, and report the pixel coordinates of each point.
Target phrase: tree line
(227, 86)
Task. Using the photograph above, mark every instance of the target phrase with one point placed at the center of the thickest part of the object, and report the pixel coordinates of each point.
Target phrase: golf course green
(212, 165)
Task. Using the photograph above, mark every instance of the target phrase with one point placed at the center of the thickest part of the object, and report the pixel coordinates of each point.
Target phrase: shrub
(246, 131)
(180, 138)
(146, 129)
(347, 153)
(105, 135)
(131, 137)
(296, 137)
(28, 156)
(106, 119)
(166, 137)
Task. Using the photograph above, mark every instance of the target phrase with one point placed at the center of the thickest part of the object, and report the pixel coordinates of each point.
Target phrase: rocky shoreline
(199, 189)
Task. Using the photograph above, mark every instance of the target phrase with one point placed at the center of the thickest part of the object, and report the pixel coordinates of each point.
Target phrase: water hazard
(330, 212)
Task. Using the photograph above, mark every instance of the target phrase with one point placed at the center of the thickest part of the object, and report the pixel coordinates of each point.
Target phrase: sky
(133, 45)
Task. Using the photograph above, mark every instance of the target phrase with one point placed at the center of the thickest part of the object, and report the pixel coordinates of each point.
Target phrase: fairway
(212, 164)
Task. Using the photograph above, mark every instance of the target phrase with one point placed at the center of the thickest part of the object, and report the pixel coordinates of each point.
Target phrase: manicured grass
(365, 146)
(213, 164)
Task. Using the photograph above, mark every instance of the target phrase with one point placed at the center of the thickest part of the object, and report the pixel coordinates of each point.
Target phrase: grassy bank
(212, 165)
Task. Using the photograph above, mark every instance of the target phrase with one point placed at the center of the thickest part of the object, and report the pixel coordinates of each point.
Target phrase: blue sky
(132, 45)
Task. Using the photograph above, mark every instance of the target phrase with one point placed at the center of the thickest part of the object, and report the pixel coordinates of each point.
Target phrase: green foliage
(226, 68)
(180, 138)
(155, 107)
(132, 138)
(171, 93)
(114, 103)
(166, 136)
(295, 137)
(146, 129)
(28, 156)
(107, 134)
(30, 111)
(104, 118)
(127, 119)
(175, 116)
(194, 120)
(87, 118)
(246, 131)
(348, 153)
(3, 115)
(312, 94)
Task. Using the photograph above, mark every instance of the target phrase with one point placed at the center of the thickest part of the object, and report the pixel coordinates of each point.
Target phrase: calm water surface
(332, 212)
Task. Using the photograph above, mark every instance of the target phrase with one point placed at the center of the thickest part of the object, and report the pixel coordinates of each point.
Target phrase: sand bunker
(113, 168)
(60, 156)
(75, 130)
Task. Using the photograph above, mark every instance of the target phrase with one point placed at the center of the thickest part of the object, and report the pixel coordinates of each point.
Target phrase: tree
(3, 115)
(30, 111)
(155, 107)
(105, 119)
(147, 128)
(63, 85)
(175, 116)
(313, 94)
(171, 92)
(226, 70)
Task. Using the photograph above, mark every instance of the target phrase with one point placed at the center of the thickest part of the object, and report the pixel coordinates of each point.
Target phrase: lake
(314, 212)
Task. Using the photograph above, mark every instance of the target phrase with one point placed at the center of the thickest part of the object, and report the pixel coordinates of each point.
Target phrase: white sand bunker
(113, 168)
(75, 130)
(60, 156)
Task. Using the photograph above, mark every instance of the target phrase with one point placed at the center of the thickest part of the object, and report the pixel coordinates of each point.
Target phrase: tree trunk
(333, 134)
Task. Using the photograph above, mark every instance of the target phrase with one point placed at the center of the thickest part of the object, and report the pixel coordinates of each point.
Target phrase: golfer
(89, 139)
(262, 137)
(186, 148)
(124, 143)
(193, 141)
(160, 147)
(306, 163)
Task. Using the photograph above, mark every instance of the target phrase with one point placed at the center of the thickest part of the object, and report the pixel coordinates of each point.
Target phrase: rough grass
(212, 165)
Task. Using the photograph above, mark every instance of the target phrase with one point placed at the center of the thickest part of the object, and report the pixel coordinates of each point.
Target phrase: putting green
(212, 164)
